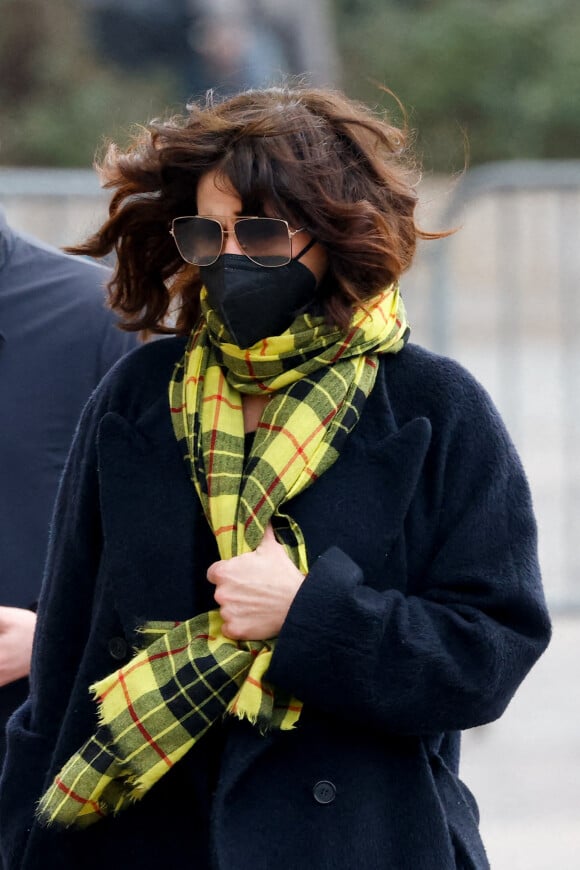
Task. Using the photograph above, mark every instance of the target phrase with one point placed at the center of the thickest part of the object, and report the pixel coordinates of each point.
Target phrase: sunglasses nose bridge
(230, 243)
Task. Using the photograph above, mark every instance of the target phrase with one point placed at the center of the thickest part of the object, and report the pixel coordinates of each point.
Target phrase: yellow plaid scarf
(154, 709)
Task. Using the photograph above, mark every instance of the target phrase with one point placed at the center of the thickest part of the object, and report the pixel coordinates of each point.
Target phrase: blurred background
(498, 80)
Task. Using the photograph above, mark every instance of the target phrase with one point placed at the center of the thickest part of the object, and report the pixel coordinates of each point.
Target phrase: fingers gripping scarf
(154, 709)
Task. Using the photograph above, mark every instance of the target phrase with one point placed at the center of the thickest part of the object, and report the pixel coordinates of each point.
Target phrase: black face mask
(254, 302)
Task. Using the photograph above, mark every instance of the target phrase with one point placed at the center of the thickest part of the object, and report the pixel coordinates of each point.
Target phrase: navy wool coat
(57, 340)
(421, 614)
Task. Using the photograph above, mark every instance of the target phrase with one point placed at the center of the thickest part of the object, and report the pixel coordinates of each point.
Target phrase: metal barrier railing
(529, 251)
(56, 183)
(60, 206)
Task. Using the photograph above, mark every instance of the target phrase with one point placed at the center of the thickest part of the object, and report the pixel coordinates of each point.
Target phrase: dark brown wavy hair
(316, 157)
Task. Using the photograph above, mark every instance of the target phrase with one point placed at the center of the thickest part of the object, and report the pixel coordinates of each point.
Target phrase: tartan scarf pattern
(155, 708)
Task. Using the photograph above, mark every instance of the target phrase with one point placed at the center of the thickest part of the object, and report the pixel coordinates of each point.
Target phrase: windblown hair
(317, 159)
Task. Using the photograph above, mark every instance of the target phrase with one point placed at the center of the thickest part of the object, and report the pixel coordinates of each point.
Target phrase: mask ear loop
(305, 249)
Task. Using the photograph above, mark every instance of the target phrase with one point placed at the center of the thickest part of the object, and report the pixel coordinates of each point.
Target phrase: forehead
(216, 195)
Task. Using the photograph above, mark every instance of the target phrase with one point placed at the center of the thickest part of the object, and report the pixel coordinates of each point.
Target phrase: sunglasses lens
(198, 239)
(264, 240)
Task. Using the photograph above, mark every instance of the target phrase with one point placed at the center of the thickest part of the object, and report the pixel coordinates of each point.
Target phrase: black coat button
(324, 792)
(118, 648)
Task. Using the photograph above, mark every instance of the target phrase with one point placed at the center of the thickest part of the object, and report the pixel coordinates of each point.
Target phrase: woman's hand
(254, 591)
(16, 633)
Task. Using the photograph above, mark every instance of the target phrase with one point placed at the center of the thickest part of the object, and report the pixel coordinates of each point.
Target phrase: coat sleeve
(64, 617)
(450, 653)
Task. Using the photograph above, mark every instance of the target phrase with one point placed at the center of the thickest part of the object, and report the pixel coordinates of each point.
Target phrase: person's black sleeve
(451, 652)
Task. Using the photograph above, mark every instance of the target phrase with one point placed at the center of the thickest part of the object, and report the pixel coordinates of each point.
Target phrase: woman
(293, 555)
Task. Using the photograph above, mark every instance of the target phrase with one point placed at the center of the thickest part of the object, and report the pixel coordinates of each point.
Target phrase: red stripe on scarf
(270, 428)
(344, 345)
(222, 399)
(223, 529)
(251, 372)
(213, 437)
(137, 665)
(278, 477)
(259, 685)
(148, 737)
(378, 308)
(76, 797)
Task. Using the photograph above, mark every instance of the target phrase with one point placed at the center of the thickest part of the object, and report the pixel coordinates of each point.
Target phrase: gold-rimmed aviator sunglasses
(265, 241)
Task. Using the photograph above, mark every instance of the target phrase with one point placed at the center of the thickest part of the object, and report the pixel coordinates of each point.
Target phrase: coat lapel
(361, 502)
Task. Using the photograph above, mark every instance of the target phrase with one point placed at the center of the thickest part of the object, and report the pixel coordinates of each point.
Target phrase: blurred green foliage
(58, 100)
(506, 73)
